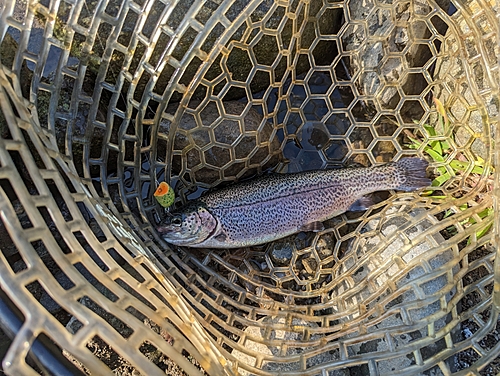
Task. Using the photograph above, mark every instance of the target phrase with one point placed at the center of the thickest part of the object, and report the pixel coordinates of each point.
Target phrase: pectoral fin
(313, 226)
(362, 204)
(221, 237)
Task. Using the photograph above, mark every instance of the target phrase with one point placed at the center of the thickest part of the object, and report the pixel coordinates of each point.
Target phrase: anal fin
(362, 204)
(313, 226)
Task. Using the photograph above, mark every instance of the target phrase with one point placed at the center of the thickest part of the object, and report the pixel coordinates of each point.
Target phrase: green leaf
(452, 230)
(436, 156)
(462, 166)
(442, 170)
(415, 142)
(440, 180)
(445, 145)
(485, 213)
(437, 147)
(478, 170)
(430, 130)
(448, 213)
(458, 165)
(484, 231)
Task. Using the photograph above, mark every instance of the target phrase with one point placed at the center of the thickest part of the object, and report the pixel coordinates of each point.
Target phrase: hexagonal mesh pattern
(101, 100)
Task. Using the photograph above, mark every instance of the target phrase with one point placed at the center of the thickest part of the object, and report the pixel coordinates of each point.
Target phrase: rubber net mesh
(101, 100)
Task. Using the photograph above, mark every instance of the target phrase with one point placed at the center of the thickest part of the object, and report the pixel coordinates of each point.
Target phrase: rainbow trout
(277, 205)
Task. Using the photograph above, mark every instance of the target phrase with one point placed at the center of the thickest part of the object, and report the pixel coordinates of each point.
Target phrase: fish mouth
(165, 229)
(174, 236)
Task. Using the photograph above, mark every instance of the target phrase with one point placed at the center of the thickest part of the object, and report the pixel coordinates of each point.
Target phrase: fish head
(191, 225)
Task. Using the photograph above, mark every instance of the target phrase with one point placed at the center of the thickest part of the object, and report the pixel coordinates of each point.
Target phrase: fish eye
(176, 221)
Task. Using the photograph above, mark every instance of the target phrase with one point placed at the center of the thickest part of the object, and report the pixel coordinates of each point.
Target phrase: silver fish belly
(278, 205)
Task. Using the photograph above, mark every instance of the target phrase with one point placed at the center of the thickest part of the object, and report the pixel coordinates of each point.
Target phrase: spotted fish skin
(277, 205)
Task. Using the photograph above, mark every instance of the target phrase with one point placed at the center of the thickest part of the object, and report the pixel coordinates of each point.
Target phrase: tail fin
(412, 174)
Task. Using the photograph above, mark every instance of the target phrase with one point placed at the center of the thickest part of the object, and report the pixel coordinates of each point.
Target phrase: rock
(470, 132)
(325, 245)
(281, 253)
(238, 63)
(434, 286)
(74, 324)
(310, 265)
(271, 322)
(254, 144)
(8, 48)
(35, 40)
(372, 50)
(266, 49)
(79, 126)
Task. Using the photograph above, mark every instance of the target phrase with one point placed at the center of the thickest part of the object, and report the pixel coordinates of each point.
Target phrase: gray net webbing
(101, 100)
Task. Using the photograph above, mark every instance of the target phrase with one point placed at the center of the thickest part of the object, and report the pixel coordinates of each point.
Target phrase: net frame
(189, 297)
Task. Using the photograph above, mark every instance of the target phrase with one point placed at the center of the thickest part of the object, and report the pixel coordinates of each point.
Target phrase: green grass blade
(437, 147)
(436, 156)
(431, 131)
(440, 180)
(459, 166)
(484, 231)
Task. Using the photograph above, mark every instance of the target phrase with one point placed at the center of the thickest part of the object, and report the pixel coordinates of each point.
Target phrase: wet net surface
(102, 100)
